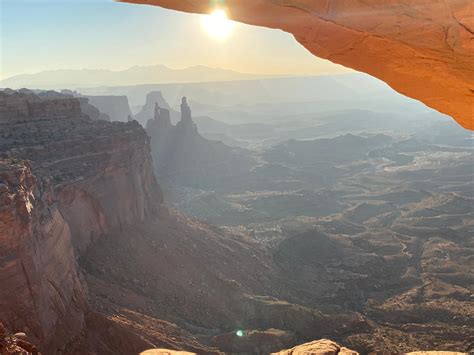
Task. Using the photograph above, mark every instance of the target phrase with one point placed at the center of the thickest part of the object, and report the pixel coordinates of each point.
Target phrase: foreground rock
(164, 352)
(15, 344)
(318, 347)
(329, 347)
(421, 49)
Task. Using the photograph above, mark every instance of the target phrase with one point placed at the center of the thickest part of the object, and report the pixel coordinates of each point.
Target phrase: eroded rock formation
(422, 49)
(41, 288)
(154, 98)
(82, 179)
(182, 155)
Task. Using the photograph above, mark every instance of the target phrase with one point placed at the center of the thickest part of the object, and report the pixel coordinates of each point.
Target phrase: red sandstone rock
(422, 49)
(329, 347)
(318, 347)
(83, 179)
(15, 344)
(41, 290)
(435, 353)
(164, 352)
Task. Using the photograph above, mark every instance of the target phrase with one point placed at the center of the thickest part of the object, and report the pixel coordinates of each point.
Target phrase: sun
(217, 25)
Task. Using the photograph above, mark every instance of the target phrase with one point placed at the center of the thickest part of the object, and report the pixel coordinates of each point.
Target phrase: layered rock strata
(65, 180)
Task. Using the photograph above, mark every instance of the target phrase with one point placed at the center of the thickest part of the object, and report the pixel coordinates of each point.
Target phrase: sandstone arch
(424, 49)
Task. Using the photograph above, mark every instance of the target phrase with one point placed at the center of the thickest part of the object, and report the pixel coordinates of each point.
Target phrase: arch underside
(423, 49)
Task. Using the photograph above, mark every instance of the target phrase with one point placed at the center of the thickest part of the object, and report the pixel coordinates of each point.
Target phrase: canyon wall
(14, 107)
(83, 231)
(65, 180)
(42, 292)
(116, 107)
(422, 49)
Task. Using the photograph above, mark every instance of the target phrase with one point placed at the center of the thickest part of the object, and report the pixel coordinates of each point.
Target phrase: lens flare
(217, 25)
(239, 333)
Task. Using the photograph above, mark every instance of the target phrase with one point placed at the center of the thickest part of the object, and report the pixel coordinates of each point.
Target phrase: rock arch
(423, 49)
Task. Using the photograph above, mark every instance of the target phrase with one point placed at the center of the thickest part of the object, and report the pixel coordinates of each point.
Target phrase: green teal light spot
(239, 333)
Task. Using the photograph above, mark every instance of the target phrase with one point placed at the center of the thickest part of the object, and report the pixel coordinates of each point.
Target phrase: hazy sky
(41, 35)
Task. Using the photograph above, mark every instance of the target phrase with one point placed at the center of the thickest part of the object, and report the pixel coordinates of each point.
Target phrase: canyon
(362, 221)
(94, 260)
(216, 212)
(88, 246)
(422, 49)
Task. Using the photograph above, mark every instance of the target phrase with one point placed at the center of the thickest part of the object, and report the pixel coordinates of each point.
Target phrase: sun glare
(217, 25)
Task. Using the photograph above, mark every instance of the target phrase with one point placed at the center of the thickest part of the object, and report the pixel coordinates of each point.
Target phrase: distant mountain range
(154, 74)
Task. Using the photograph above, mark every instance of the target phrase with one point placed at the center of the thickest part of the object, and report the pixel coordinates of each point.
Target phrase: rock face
(181, 155)
(92, 111)
(161, 121)
(116, 107)
(186, 124)
(14, 344)
(318, 347)
(18, 106)
(154, 98)
(25, 105)
(41, 291)
(422, 49)
(83, 179)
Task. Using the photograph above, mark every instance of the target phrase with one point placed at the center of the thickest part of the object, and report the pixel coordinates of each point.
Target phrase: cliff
(42, 291)
(65, 180)
(116, 107)
(92, 111)
(148, 110)
(183, 157)
(18, 106)
(25, 105)
(422, 49)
